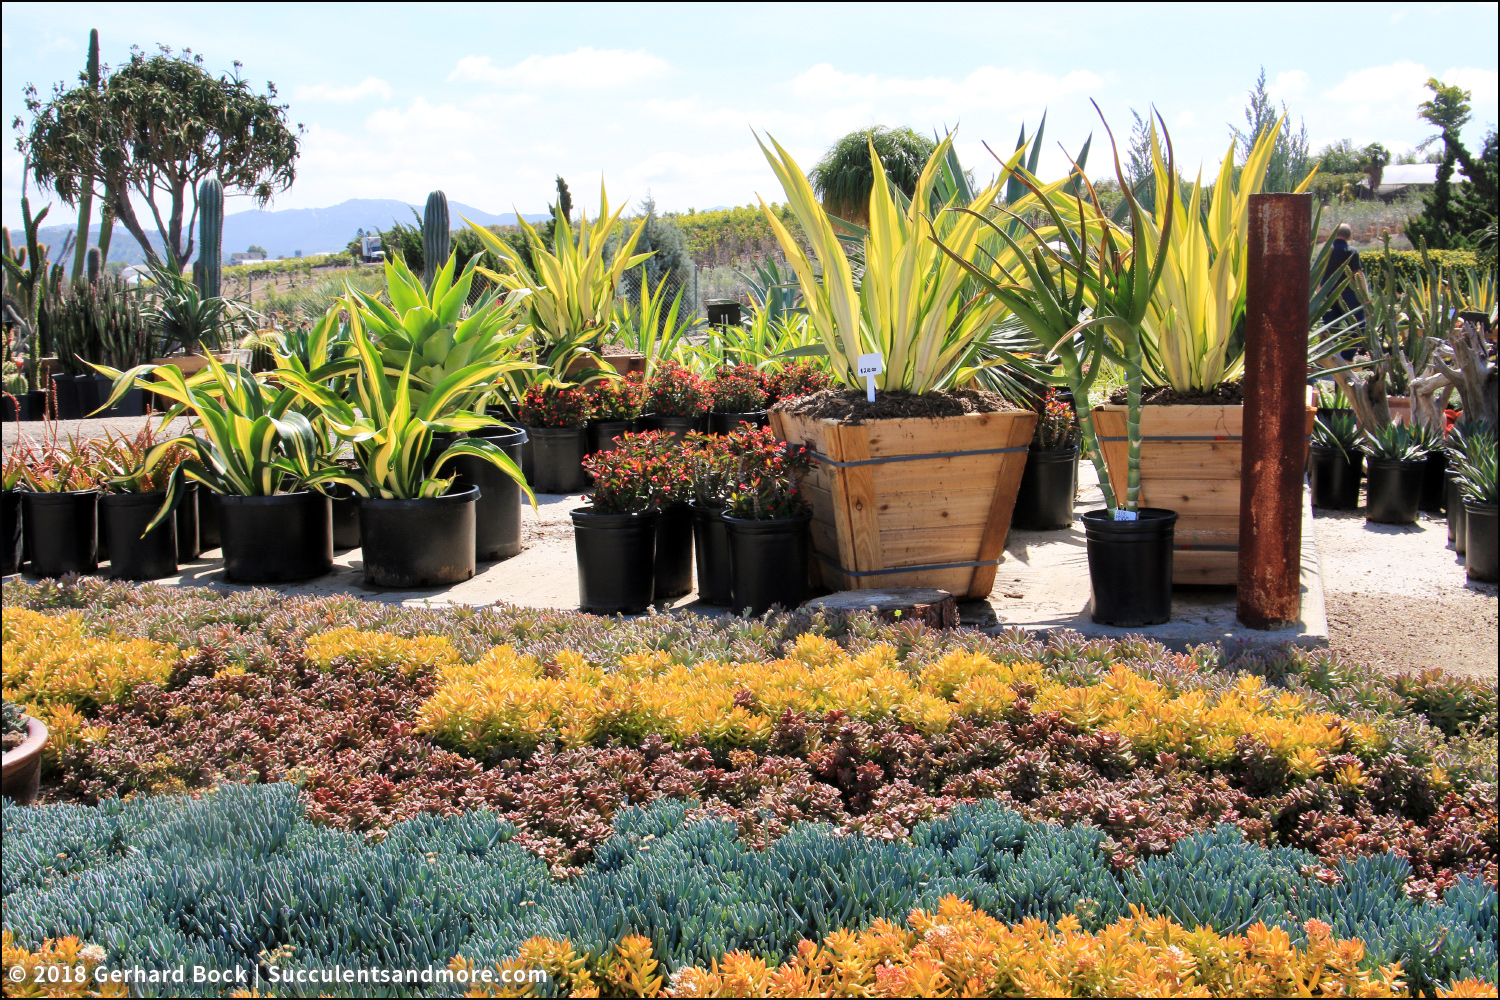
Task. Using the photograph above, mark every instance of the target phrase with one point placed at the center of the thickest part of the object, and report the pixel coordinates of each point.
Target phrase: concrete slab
(1043, 583)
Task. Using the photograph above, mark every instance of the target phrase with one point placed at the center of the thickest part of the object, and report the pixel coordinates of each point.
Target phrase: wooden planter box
(190, 364)
(1190, 463)
(904, 511)
(625, 364)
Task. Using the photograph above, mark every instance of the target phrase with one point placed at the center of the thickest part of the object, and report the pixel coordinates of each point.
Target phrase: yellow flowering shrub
(61, 968)
(51, 660)
(379, 649)
(960, 951)
(509, 701)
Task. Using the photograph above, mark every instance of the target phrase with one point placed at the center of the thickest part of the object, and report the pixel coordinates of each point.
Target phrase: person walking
(1342, 257)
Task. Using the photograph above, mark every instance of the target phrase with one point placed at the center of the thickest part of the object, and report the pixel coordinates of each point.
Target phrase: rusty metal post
(1275, 432)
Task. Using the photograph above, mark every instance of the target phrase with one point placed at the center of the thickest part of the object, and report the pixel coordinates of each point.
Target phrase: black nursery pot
(209, 536)
(497, 512)
(1457, 530)
(1434, 483)
(767, 562)
(602, 433)
(344, 503)
(557, 455)
(1334, 473)
(187, 523)
(728, 423)
(427, 542)
(1393, 490)
(276, 539)
(10, 532)
(134, 553)
(616, 561)
(132, 404)
(65, 390)
(674, 552)
(62, 531)
(36, 405)
(1130, 566)
(678, 427)
(1482, 551)
(711, 547)
(1048, 485)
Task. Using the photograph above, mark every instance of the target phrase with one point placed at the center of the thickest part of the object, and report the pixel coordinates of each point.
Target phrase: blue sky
(490, 102)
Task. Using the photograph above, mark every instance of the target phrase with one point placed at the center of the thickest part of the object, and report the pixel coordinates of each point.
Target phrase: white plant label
(1125, 515)
(868, 366)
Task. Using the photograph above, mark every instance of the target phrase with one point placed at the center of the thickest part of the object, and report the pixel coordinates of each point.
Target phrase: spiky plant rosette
(122, 461)
(768, 476)
(1336, 430)
(795, 381)
(62, 468)
(675, 391)
(1056, 425)
(738, 389)
(547, 404)
(1397, 443)
(615, 398)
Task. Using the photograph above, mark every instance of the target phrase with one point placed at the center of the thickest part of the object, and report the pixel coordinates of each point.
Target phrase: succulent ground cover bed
(627, 803)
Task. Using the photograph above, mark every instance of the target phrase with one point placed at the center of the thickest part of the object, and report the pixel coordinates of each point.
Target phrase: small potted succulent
(132, 496)
(712, 464)
(21, 764)
(767, 518)
(16, 403)
(614, 536)
(1475, 472)
(1045, 500)
(666, 466)
(59, 508)
(556, 417)
(12, 466)
(1396, 457)
(1334, 461)
(676, 400)
(737, 395)
(614, 409)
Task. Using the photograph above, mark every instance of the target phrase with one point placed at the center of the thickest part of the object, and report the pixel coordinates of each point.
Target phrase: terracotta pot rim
(36, 738)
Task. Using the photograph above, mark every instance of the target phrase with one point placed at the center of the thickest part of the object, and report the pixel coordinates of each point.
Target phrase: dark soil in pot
(728, 423)
(674, 552)
(276, 539)
(1482, 551)
(10, 532)
(1048, 486)
(1334, 474)
(427, 542)
(137, 554)
(850, 406)
(711, 551)
(557, 455)
(62, 531)
(497, 512)
(1130, 566)
(768, 562)
(1393, 490)
(616, 561)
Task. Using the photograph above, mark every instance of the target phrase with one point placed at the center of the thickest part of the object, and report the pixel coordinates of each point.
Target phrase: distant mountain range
(289, 231)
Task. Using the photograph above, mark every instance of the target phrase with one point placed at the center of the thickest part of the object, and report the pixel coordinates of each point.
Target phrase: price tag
(1125, 515)
(868, 366)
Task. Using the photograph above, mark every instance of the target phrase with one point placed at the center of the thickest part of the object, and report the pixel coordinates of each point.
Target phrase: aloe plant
(1336, 430)
(391, 432)
(1471, 456)
(1083, 288)
(1396, 443)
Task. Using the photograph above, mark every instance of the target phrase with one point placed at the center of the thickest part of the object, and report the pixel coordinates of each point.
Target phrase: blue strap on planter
(905, 569)
(823, 459)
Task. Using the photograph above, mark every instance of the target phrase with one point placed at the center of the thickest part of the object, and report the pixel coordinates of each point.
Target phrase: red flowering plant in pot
(796, 380)
(615, 536)
(1050, 482)
(556, 417)
(676, 399)
(667, 474)
(737, 395)
(767, 519)
(614, 409)
(713, 465)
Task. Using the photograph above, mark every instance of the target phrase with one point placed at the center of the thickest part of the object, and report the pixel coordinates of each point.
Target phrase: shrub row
(224, 879)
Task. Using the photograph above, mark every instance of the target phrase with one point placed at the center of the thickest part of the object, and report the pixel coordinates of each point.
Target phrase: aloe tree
(1083, 288)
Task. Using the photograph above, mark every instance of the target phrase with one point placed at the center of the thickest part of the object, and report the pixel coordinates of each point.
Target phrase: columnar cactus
(95, 264)
(86, 197)
(437, 239)
(211, 235)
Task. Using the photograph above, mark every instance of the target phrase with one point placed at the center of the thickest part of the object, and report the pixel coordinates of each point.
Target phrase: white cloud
(370, 86)
(1398, 16)
(1185, 120)
(1379, 95)
(988, 87)
(1288, 86)
(1484, 84)
(584, 68)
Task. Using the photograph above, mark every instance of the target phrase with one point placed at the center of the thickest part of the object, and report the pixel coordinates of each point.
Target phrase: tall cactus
(211, 235)
(86, 196)
(437, 238)
(95, 264)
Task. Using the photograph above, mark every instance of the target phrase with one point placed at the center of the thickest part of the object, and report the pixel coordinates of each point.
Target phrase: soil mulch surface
(1223, 394)
(849, 406)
